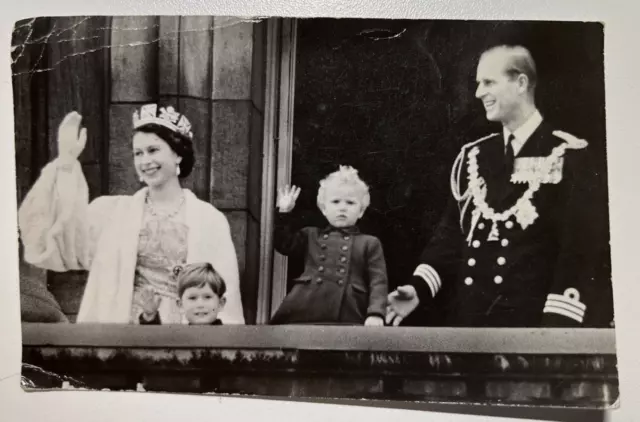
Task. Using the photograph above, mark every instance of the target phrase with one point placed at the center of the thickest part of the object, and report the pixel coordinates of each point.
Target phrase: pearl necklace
(153, 211)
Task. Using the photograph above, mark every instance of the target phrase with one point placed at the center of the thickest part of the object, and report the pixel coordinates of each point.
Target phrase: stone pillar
(211, 69)
(133, 81)
(236, 155)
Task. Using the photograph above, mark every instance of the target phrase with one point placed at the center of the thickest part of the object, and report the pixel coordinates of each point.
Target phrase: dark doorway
(395, 99)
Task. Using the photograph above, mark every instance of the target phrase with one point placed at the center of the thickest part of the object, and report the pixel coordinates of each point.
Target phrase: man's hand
(287, 197)
(374, 321)
(401, 302)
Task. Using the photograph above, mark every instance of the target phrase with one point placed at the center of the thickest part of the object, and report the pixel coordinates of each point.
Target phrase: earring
(141, 179)
(178, 170)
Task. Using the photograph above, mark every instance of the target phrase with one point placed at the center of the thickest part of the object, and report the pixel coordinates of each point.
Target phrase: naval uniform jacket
(344, 279)
(538, 275)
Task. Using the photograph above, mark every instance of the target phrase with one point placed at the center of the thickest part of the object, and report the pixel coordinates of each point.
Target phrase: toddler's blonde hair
(345, 175)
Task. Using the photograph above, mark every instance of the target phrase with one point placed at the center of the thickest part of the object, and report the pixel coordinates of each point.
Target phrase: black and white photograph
(405, 210)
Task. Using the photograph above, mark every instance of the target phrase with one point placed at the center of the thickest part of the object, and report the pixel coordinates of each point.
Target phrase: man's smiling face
(498, 91)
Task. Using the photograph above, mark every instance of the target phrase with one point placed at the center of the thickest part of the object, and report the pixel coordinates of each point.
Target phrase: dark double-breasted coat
(535, 265)
(344, 279)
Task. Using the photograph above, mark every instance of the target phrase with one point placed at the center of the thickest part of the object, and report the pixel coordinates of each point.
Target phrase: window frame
(277, 157)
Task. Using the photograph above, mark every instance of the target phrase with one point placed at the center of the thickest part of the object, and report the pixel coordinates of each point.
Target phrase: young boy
(201, 291)
(345, 276)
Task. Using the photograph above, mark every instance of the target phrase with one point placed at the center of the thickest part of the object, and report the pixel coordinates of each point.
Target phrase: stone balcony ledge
(511, 366)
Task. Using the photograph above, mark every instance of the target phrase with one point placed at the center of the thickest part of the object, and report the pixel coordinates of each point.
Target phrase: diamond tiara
(167, 117)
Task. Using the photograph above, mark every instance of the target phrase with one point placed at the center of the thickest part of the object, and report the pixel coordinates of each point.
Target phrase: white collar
(523, 132)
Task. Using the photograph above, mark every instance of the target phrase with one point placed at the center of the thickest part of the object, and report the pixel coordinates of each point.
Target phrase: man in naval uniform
(516, 247)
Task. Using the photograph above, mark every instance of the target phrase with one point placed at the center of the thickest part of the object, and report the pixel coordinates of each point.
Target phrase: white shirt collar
(523, 132)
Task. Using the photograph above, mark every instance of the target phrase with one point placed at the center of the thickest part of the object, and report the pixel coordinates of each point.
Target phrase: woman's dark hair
(180, 144)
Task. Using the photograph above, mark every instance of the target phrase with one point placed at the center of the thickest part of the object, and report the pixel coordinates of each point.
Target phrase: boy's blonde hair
(345, 175)
(199, 275)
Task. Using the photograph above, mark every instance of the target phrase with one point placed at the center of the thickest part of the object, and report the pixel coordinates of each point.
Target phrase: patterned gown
(162, 246)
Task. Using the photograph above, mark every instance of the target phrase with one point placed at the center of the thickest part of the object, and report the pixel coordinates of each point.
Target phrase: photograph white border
(622, 90)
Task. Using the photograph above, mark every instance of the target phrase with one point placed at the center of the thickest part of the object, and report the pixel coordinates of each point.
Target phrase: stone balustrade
(509, 366)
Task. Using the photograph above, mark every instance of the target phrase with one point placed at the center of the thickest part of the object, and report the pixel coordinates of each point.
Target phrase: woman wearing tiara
(129, 244)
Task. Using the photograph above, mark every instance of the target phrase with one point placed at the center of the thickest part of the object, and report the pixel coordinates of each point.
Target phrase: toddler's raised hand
(287, 197)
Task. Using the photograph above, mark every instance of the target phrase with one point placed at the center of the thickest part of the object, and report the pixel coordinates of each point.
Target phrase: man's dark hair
(520, 62)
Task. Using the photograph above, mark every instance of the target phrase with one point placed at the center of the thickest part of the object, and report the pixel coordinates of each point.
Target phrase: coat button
(341, 282)
(323, 257)
(341, 270)
(497, 279)
(343, 259)
(345, 248)
(502, 260)
(347, 238)
(326, 236)
(319, 280)
(471, 262)
(481, 226)
(323, 246)
(504, 242)
(508, 224)
(476, 243)
(468, 281)
(320, 268)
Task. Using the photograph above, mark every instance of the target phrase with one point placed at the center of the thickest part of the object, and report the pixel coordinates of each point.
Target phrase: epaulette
(484, 138)
(456, 169)
(572, 141)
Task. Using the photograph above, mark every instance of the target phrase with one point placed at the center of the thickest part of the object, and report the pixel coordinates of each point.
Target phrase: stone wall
(210, 68)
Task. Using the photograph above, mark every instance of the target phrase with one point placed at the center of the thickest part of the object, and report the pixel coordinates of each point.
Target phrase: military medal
(528, 169)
